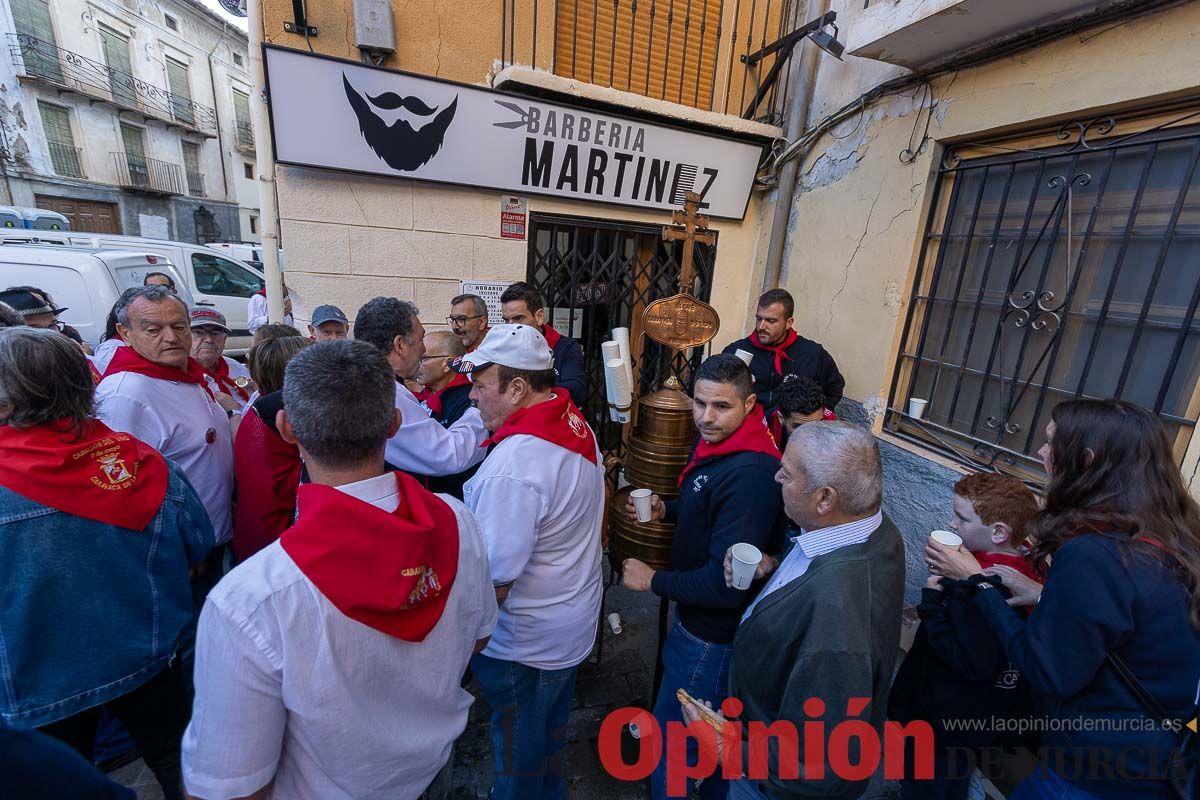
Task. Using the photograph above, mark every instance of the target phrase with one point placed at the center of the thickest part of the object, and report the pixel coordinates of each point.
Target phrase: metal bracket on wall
(783, 47)
(300, 26)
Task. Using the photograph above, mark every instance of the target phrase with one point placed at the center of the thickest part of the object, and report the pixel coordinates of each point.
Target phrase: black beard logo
(398, 144)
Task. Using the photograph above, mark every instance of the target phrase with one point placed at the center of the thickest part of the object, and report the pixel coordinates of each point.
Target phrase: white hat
(514, 346)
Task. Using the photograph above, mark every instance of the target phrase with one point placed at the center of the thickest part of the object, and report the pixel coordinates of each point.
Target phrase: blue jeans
(701, 669)
(1047, 785)
(529, 726)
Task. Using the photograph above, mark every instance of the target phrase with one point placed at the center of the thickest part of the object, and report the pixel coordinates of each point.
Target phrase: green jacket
(833, 633)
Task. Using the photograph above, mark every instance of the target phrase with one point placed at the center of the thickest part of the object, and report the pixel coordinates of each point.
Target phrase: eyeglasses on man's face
(461, 320)
(428, 357)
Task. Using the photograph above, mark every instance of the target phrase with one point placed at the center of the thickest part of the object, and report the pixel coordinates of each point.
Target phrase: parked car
(86, 281)
(211, 276)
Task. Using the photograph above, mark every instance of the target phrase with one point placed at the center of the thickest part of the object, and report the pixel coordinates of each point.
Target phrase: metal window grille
(181, 92)
(1053, 273)
(241, 115)
(191, 167)
(606, 273)
(65, 157)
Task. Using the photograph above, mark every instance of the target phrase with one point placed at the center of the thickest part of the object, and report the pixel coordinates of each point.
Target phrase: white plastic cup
(744, 356)
(746, 558)
(916, 407)
(641, 502)
(948, 538)
(614, 622)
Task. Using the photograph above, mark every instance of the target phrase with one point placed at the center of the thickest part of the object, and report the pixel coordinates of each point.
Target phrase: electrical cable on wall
(1120, 14)
(928, 104)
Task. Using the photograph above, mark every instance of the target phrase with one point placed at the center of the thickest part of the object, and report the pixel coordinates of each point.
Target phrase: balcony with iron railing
(41, 61)
(66, 159)
(195, 183)
(692, 53)
(148, 174)
(244, 136)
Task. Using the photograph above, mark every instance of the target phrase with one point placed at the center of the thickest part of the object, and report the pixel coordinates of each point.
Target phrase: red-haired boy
(957, 669)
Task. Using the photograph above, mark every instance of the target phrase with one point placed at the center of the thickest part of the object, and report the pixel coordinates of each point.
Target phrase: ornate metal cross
(690, 227)
(682, 321)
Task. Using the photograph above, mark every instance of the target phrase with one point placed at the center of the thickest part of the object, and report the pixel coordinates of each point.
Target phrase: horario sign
(337, 114)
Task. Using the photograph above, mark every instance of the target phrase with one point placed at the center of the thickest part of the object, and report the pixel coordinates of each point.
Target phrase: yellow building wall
(860, 213)
(348, 238)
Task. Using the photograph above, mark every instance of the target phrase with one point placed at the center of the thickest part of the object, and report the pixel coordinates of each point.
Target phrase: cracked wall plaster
(844, 147)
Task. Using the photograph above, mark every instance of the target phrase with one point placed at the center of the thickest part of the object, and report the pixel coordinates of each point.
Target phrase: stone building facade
(129, 117)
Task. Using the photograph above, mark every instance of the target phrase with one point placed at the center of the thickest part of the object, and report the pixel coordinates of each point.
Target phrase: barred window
(1053, 268)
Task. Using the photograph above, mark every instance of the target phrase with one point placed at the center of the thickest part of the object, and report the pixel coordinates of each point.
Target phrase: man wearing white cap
(539, 499)
(209, 334)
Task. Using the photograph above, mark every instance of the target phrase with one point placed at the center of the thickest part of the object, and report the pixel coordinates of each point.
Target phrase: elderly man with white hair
(827, 623)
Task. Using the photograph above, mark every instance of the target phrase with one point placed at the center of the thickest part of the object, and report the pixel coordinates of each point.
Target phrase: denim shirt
(89, 611)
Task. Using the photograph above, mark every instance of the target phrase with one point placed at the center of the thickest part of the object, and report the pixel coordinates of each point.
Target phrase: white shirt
(808, 546)
(256, 313)
(540, 507)
(176, 419)
(423, 446)
(104, 353)
(291, 689)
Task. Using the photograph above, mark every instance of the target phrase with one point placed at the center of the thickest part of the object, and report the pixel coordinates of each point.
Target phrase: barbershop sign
(343, 115)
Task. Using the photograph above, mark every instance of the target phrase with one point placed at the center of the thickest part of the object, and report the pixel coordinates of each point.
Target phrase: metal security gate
(601, 274)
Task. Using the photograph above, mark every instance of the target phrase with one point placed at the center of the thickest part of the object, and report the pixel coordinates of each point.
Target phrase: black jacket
(723, 501)
(568, 363)
(833, 633)
(957, 670)
(1103, 594)
(805, 357)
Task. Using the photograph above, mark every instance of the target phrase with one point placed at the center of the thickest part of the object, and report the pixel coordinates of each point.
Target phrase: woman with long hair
(1120, 539)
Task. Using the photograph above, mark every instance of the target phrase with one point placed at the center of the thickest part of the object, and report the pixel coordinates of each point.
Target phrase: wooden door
(88, 216)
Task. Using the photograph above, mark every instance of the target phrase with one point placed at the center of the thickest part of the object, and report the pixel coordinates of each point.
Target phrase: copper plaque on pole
(681, 322)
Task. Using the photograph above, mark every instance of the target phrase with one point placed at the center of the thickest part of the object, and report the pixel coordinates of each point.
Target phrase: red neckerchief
(221, 376)
(96, 376)
(751, 437)
(433, 399)
(126, 359)
(775, 426)
(390, 571)
(780, 355)
(262, 292)
(104, 476)
(552, 335)
(556, 420)
(1017, 562)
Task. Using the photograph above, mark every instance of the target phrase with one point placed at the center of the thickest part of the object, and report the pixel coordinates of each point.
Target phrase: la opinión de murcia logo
(851, 750)
(400, 145)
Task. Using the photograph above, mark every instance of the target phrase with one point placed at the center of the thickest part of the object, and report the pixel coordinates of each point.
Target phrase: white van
(211, 276)
(84, 280)
(245, 251)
